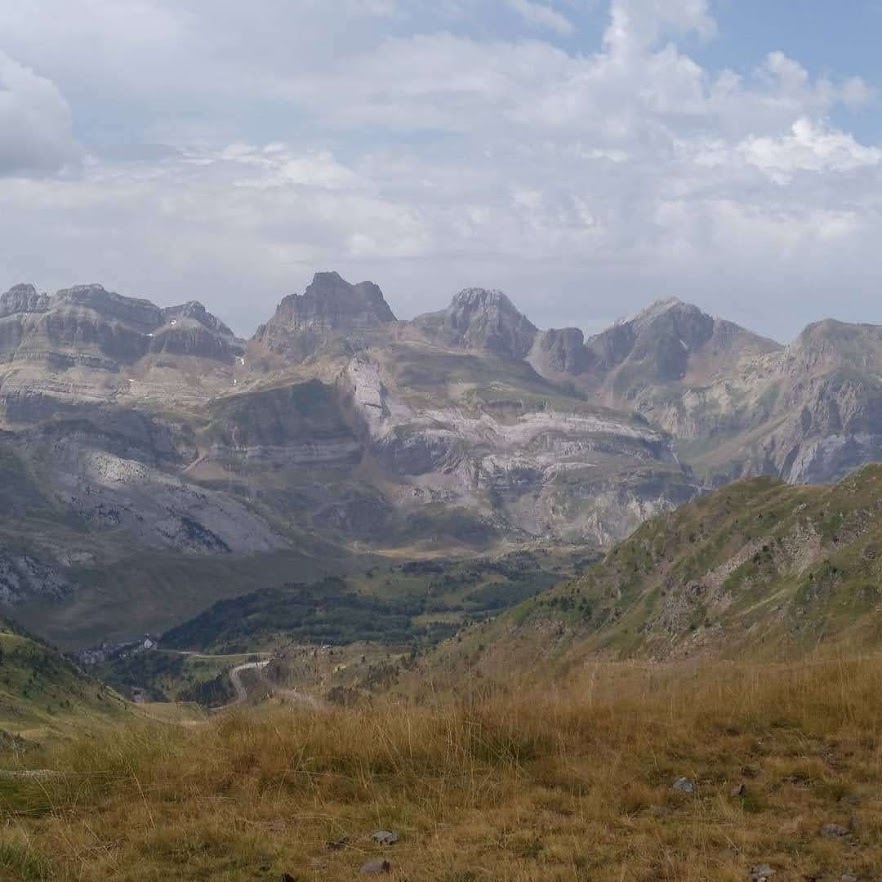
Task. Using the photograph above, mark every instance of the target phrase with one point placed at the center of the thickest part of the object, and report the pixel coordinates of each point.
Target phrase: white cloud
(386, 140)
(542, 16)
(637, 25)
(35, 122)
(809, 147)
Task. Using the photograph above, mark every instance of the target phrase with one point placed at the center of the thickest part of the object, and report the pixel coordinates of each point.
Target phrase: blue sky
(586, 156)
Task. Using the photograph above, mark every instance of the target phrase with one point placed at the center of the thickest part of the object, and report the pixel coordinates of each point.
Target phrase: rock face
(89, 327)
(481, 320)
(330, 307)
(22, 298)
(23, 577)
(670, 342)
(560, 353)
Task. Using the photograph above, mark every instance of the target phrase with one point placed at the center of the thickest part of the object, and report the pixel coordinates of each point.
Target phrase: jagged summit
(332, 304)
(22, 298)
(194, 311)
(481, 319)
(88, 325)
(329, 307)
(660, 342)
(657, 309)
(483, 298)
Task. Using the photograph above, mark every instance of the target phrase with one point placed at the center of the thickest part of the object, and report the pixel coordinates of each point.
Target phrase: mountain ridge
(760, 569)
(339, 426)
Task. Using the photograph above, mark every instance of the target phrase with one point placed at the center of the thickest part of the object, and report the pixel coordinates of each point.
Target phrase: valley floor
(508, 782)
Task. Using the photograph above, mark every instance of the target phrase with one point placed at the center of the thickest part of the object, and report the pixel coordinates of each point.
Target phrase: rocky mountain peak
(481, 319)
(23, 298)
(658, 309)
(329, 308)
(830, 343)
(660, 343)
(331, 304)
(140, 315)
(195, 311)
(660, 338)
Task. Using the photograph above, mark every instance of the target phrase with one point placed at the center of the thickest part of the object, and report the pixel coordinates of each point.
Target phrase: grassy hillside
(381, 615)
(408, 603)
(151, 591)
(759, 569)
(42, 694)
(574, 782)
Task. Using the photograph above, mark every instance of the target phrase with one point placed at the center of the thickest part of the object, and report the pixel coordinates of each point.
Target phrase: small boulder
(384, 837)
(376, 868)
(684, 785)
(847, 877)
(761, 873)
(834, 831)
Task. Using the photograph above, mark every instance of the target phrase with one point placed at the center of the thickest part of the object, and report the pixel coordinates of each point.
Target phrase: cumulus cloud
(395, 142)
(35, 122)
(637, 25)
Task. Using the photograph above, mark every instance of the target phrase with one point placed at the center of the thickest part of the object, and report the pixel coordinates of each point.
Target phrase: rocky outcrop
(22, 298)
(300, 425)
(89, 326)
(190, 330)
(194, 311)
(560, 353)
(23, 578)
(483, 321)
(155, 508)
(666, 343)
(532, 469)
(330, 307)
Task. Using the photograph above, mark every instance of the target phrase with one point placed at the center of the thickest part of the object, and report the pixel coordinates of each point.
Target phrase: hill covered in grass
(43, 694)
(758, 570)
(776, 766)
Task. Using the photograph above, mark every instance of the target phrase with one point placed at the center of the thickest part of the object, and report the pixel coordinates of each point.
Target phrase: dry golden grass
(510, 783)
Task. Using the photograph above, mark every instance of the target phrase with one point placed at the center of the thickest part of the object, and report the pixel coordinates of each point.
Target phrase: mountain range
(145, 448)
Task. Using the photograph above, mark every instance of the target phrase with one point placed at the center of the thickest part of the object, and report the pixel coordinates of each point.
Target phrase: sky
(585, 156)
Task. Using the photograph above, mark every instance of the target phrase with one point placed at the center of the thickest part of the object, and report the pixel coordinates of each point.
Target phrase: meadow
(779, 770)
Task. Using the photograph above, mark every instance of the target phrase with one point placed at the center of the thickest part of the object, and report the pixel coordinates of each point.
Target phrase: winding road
(293, 696)
(236, 680)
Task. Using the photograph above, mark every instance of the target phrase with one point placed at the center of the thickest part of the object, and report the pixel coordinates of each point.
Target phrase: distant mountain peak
(22, 298)
(658, 309)
(483, 298)
(196, 311)
(481, 319)
(329, 307)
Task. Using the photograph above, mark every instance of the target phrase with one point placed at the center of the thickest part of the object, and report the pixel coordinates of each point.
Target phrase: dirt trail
(293, 696)
(236, 680)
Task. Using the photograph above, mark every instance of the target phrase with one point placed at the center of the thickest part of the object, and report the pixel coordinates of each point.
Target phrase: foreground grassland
(508, 783)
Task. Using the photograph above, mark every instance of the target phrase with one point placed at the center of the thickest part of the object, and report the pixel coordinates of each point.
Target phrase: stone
(376, 868)
(834, 831)
(847, 877)
(384, 837)
(761, 873)
(684, 785)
